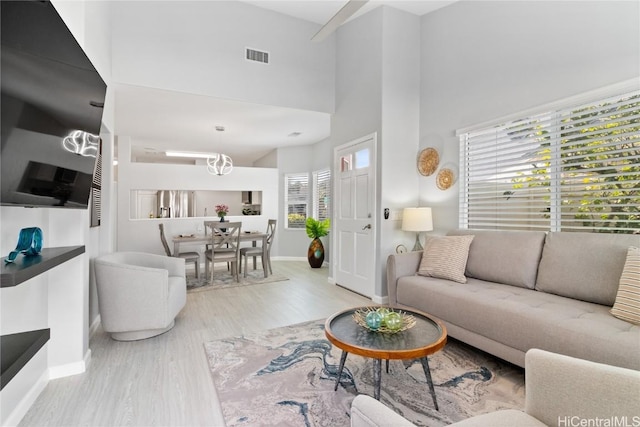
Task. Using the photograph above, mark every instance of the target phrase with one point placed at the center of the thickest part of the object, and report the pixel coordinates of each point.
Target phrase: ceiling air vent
(257, 56)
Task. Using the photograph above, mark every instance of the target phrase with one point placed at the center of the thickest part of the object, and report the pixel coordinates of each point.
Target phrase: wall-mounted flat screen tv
(51, 108)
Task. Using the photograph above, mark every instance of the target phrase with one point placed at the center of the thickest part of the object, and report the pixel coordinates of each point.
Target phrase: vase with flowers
(222, 211)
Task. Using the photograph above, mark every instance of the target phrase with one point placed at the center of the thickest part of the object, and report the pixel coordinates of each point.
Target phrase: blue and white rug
(286, 376)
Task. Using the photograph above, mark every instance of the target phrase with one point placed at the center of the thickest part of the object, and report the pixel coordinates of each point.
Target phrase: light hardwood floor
(165, 380)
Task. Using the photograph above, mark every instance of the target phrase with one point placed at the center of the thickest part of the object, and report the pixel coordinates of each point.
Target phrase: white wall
(58, 299)
(199, 47)
(400, 131)
(377, 91)
(143, 234)
(484, 60)
(358, 79)
(270, 160)
(292, 243)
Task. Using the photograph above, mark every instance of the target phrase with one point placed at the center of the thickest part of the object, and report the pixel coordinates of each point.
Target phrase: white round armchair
(139, 294)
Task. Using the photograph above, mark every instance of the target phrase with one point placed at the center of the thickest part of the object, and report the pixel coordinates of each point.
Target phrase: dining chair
(224, 246)
(187, 256)
(256, 251)
(207, 246)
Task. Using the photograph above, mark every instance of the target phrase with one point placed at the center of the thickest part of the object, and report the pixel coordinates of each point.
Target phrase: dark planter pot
(315, 254)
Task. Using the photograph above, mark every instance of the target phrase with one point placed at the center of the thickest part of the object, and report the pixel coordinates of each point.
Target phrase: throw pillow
(446, 257)
(627, 304)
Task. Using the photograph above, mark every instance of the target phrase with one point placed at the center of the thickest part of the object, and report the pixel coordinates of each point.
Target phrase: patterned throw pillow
(446, 257)
(627, 304)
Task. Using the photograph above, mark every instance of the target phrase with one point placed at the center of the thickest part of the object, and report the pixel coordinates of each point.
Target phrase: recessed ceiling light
(189, 154)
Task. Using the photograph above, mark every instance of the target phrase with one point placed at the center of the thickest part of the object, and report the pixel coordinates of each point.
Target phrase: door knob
(368, 226)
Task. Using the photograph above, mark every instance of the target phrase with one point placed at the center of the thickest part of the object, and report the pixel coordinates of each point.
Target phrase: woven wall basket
(428, 160)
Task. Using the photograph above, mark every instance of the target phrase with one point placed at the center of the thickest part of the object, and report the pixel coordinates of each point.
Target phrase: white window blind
(296, 199)
(96, 191)
(572, 169)
(321, 194)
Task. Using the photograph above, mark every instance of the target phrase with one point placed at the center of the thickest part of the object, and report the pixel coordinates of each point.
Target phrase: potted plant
(315, 230)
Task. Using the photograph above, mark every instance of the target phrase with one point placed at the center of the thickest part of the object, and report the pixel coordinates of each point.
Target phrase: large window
(571, 169)
(296, 191)
(321, 194)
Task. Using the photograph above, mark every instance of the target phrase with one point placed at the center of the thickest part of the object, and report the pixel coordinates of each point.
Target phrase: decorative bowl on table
(383, 319)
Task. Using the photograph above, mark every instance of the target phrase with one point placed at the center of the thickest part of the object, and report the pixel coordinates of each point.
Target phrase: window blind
(321, 194)
(96, 191)
(296, 199)
(571, 169)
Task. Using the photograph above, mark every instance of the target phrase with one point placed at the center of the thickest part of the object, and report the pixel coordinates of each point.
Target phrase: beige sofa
(524, 290)
(559, 391)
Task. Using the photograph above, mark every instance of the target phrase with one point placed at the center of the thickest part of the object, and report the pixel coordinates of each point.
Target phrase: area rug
(222, 279)
(286, 377)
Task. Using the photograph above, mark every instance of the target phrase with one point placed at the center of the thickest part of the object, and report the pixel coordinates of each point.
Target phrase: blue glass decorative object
(29, 243)
(373, 320)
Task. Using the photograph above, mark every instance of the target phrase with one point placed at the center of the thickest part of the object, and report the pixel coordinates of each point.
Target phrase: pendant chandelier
(218, 163)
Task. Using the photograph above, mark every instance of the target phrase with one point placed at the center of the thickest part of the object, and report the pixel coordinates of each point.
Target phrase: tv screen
(51, 108)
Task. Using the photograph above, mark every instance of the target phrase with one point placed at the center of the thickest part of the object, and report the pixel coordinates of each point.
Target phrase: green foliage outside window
(598, 167)
(296, 220)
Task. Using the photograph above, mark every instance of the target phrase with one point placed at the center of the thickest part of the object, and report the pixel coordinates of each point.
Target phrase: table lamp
(418, 220)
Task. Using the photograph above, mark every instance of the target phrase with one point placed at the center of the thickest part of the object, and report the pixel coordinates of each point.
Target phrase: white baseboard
(94, 326)
(289, 258)
(70, 369)
(87, 359)
(331, 280)
(380, 300)
(27, 401)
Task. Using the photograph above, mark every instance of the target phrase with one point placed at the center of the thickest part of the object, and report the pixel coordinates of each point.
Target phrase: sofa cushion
(445, 257)
(627, 305)
(584, 266)
(523, 318)
(509, 257)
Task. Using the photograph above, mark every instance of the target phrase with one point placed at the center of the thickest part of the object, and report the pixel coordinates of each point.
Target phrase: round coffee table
(428, 336)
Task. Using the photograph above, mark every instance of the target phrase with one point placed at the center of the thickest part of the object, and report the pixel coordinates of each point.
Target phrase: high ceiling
(158, 120)
(320, 11)
(164, 120)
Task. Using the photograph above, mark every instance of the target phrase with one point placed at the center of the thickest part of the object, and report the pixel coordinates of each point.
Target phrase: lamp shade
(417, 219)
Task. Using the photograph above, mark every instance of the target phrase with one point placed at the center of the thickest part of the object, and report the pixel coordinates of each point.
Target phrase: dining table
(203, 239)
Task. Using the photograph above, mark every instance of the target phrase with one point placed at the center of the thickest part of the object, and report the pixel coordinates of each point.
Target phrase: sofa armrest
(400, 265)
(562, 389)
(368, 412)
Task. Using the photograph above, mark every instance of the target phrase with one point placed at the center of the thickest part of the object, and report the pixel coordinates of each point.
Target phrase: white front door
(354, 215)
